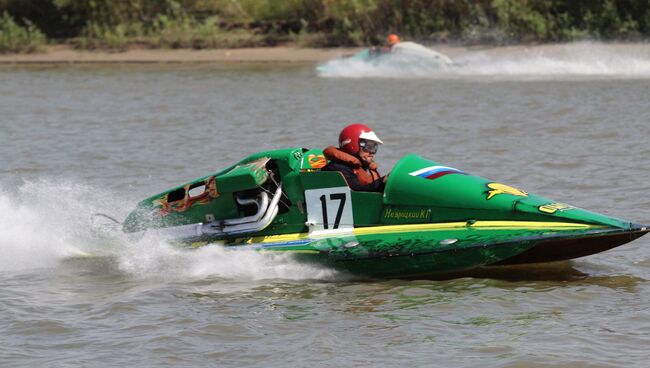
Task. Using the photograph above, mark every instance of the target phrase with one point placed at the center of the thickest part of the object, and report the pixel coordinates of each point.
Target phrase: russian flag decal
(434, 172)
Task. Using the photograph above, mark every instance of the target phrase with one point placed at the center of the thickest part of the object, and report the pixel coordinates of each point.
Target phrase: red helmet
(350, 135)
(392, 39)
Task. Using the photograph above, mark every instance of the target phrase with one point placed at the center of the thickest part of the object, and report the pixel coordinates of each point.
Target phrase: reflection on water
(554, 271)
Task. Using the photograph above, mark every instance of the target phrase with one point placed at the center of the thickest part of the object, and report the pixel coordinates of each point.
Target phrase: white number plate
(329, 208)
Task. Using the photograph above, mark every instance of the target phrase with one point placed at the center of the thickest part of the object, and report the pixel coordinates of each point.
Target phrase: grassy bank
(120, 24)
(19, 38)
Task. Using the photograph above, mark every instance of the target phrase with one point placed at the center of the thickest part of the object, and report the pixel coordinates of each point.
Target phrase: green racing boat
(430, 220)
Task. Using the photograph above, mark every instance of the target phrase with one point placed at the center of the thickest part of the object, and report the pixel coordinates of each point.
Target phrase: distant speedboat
(407, 49)
(402, 55)
(431, 219)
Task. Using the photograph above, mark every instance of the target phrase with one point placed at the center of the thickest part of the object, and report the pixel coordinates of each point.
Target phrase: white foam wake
(42, 223)
(152, 257)
(45, 223)
(579, 60)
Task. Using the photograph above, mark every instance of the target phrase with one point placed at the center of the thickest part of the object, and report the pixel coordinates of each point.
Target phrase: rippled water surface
(80, 140)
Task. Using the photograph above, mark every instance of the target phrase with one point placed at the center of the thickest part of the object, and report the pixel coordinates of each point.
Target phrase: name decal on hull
(420, 214)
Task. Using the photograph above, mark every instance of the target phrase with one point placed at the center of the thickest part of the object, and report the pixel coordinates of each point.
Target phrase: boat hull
(437, 249)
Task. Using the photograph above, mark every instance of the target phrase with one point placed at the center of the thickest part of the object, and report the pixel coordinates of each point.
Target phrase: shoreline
(66, 55)
(61, 54)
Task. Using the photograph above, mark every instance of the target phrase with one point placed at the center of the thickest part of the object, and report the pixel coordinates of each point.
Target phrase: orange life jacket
(365, 177)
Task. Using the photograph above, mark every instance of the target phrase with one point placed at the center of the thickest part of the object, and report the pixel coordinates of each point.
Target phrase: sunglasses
(369, 146)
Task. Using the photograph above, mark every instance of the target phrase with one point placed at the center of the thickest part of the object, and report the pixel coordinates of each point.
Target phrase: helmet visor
(368, 146)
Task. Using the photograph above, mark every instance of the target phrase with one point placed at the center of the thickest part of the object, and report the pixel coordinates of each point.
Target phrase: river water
(78, 140)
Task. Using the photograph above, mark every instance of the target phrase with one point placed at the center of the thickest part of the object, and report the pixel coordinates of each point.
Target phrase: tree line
(26, 25)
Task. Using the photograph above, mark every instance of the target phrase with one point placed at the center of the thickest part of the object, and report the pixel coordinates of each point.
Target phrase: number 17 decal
(339, 212)
(329, 208)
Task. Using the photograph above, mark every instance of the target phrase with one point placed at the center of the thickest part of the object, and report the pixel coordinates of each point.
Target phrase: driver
(354, 158)
(391, 41)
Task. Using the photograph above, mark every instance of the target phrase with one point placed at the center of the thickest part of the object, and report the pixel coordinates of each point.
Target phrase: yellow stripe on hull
(391, 229)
